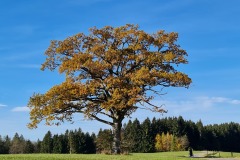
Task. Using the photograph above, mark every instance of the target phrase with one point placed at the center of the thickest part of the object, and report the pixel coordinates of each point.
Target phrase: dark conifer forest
(156, 135)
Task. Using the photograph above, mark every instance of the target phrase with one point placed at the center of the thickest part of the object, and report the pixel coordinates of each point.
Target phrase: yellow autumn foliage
(108, 73)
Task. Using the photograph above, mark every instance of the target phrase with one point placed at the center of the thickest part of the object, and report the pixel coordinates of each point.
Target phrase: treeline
(70, 142)
(218, 137)
(167, 134)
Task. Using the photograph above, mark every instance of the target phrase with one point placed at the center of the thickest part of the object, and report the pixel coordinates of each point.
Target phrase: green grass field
(223, 155)
(134, 156)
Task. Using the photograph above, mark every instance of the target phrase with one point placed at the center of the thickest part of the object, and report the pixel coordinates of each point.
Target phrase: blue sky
(208, 30)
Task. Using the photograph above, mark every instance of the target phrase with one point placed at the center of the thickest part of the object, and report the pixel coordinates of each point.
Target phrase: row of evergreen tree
(70, 142)
(173, 133)
(220, 137)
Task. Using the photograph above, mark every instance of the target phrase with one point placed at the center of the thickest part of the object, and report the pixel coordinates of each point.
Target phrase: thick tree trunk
(117, 126)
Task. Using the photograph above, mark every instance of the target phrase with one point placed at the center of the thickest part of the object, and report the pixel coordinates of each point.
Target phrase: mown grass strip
(134, 156)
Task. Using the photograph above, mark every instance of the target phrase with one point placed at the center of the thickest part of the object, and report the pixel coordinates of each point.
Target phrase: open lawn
(134, 156)
(211, 154)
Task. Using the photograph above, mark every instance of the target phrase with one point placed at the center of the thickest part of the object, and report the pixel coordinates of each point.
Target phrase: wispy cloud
(19, 57)
(198, 104)
(20, 109)
(37, 66)
(24, 29)
(24, 66)
(210, 101)
(234, 101)
(3, 105)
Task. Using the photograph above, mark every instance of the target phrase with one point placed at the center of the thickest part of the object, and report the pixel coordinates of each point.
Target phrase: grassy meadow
(134, 156)
(211, 154)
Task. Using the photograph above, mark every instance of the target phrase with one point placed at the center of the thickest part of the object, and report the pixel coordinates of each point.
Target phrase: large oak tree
(110, 73)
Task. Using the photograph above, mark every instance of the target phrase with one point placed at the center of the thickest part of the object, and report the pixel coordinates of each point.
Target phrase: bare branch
(101, 120)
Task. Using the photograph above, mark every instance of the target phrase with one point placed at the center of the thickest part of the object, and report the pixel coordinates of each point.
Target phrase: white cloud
(210, 101)
(38, 66)
(20, 109)
(214, 100)
(235, 101)
(197, 104)
(24, 66)
(3, 105)
(25, 30)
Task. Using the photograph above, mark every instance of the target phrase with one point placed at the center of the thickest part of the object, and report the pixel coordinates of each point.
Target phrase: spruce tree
(57, 144)
(2, 147)
(104, 141)
(17, 144)
(147, 142)
(72, 143)
(29, 147)
(47, 143)
(90, 146)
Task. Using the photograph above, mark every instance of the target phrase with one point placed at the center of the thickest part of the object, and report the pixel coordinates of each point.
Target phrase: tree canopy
(109, 73)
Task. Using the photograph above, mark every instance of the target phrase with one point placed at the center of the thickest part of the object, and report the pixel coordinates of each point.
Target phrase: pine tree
(127, 137)
(47, 143)
(2, 147)
(29, 147)
(37, 146)
(104, 141)
(57, 144)
(90, 145)
(81, 141)
(193, 134)
(147, 142)
(72, 142)
(66, 143)
(7, 143)
(136, 136)
(17, 144)
(181, 126)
